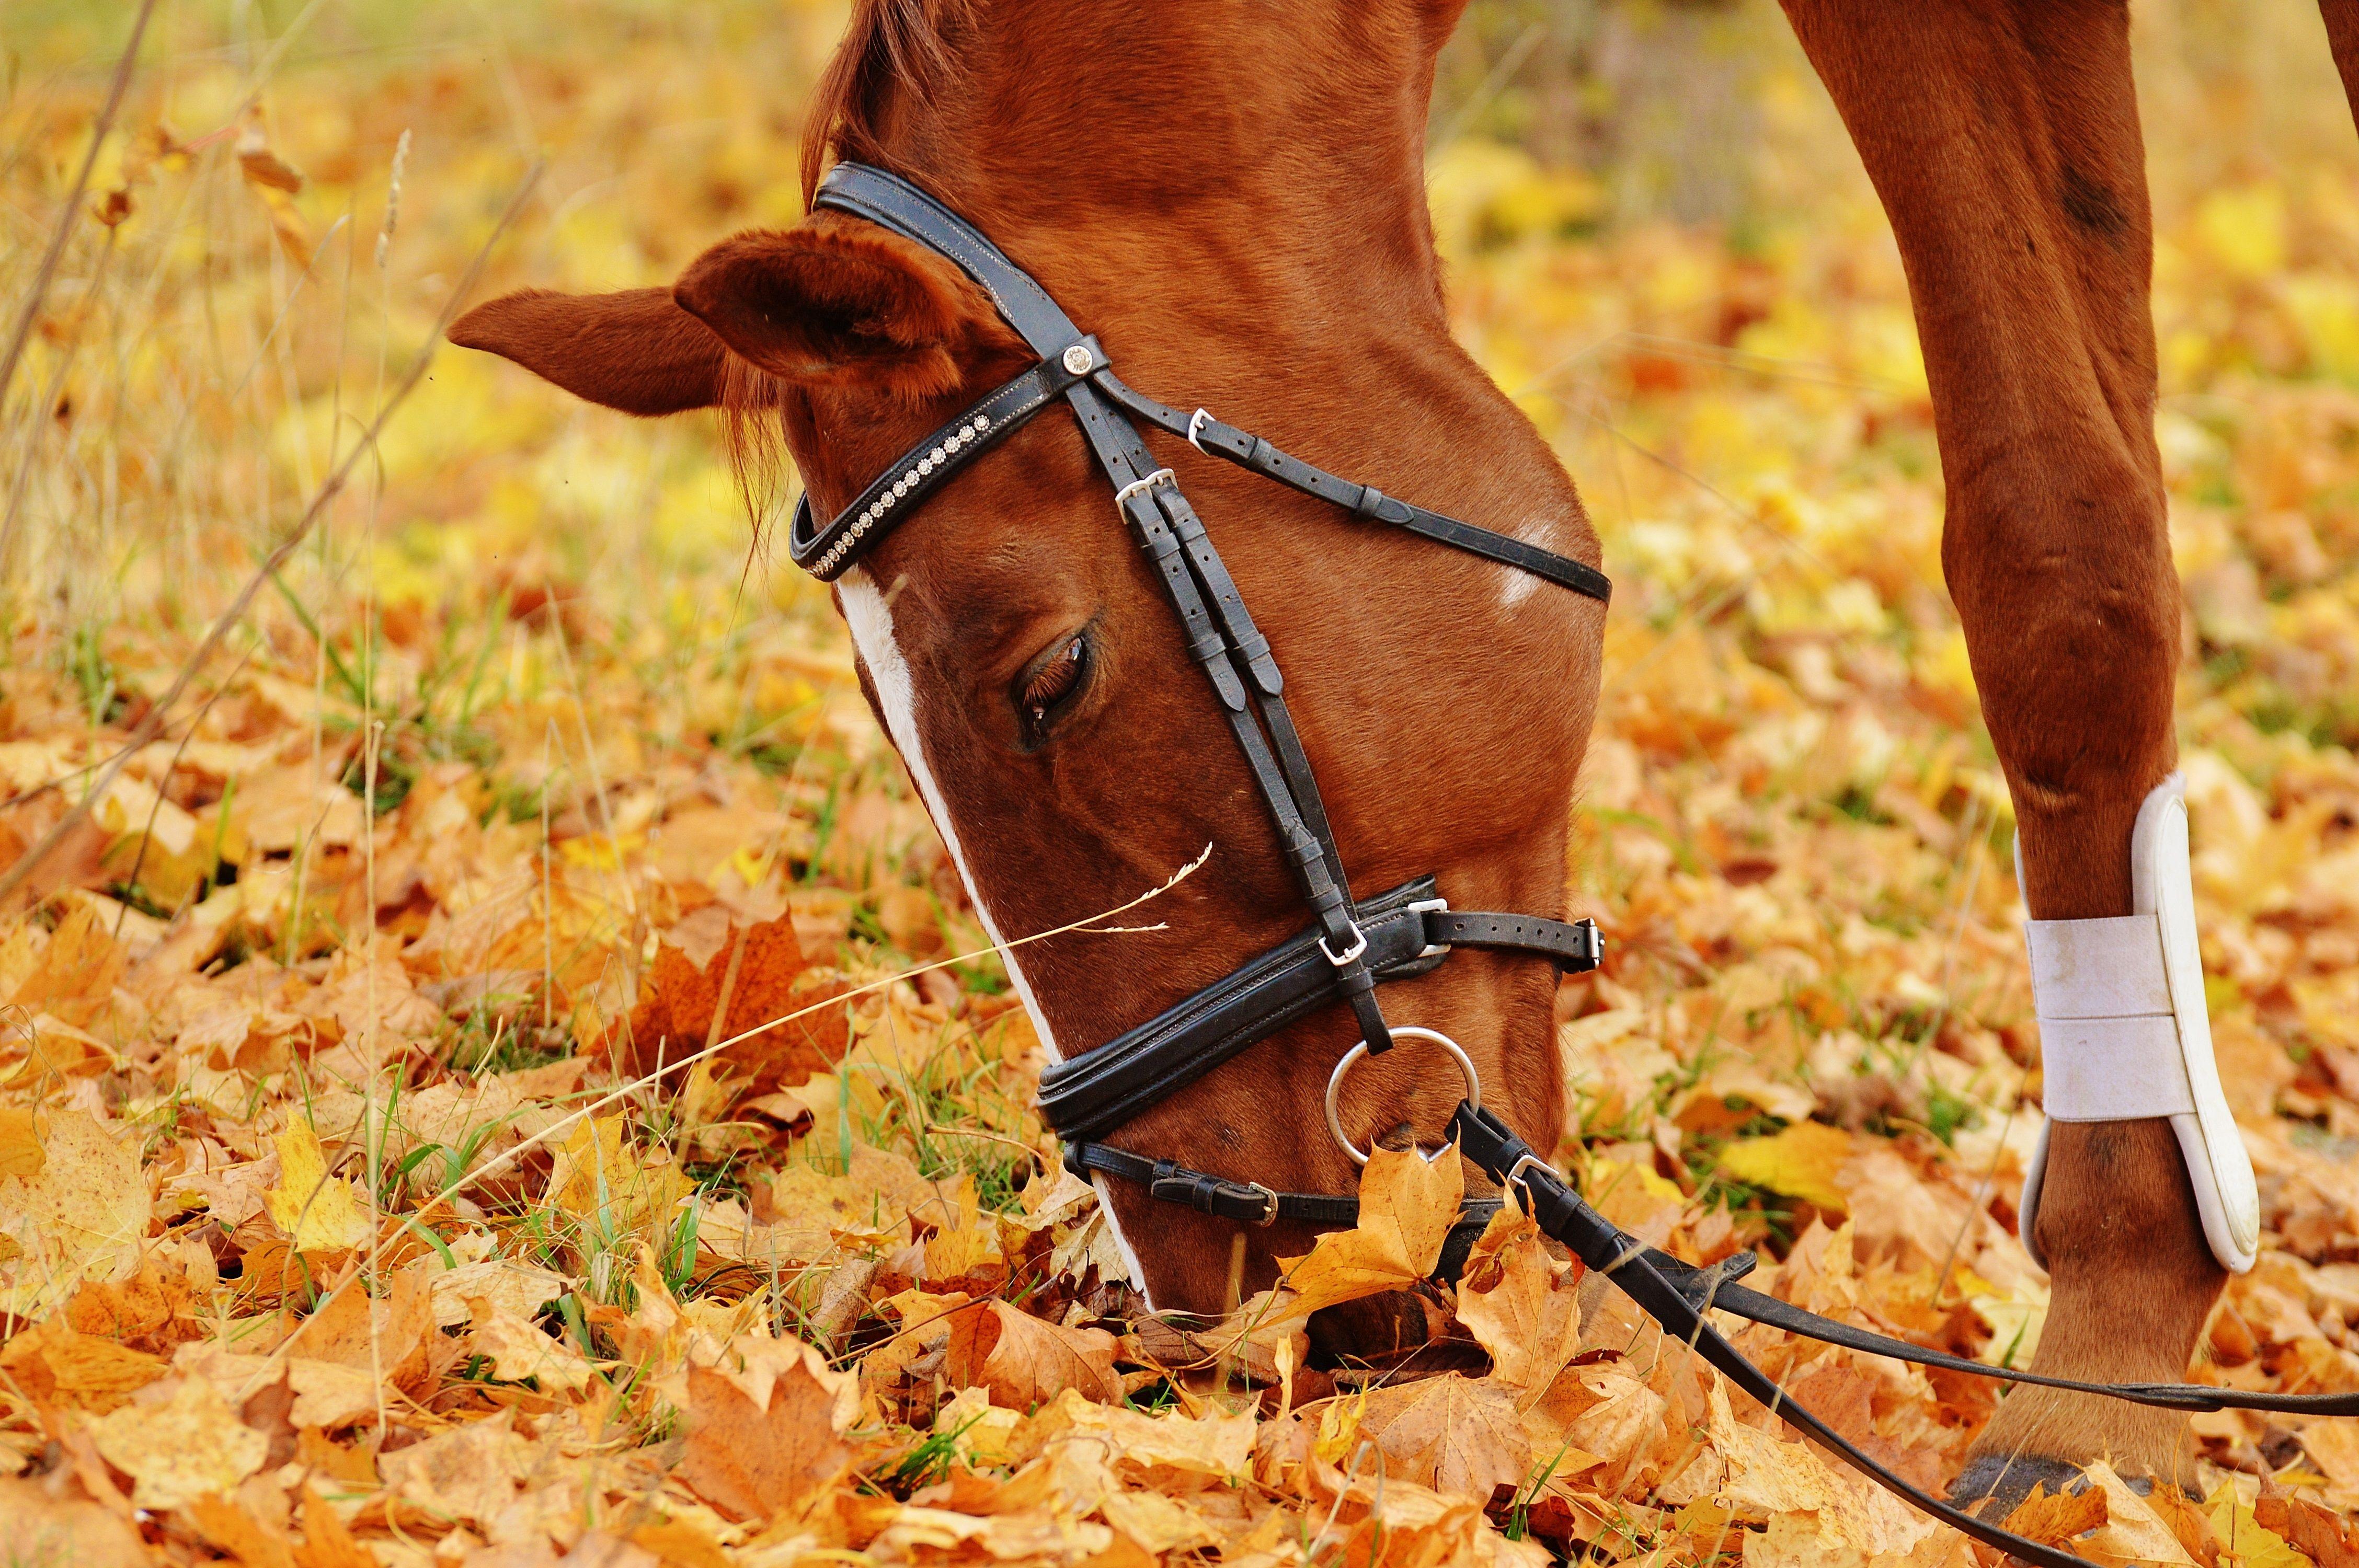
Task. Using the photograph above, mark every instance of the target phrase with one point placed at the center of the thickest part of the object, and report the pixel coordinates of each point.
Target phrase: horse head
(1255, 241)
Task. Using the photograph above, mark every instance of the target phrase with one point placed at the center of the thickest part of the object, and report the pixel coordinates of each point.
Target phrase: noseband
(1353, 946)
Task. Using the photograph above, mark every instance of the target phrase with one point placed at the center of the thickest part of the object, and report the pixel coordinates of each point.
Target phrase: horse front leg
(2004, 141)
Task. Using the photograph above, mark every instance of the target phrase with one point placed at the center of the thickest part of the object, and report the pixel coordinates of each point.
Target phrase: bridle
(1356, 945)
(1353, 946)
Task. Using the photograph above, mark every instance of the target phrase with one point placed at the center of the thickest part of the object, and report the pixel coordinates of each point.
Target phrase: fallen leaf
(2052, 1519)
(1024, 1362)
(467, 1472)
(519, 1350)
(54, 1364)
(767, 1460)
(1408, 1205)
(65, 1530)
(1459, 1436)
(1842, 1516)
(675, 1016)
(83, 1217)
(2279, 1531)
(317, 1212)
(1520, 1305)
(181, 1448)
(20, 1144)
(1799, 1160)
(2133, 1530)
(1169, 1450)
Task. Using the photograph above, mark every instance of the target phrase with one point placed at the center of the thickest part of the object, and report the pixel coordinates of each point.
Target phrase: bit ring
(1352, 1059)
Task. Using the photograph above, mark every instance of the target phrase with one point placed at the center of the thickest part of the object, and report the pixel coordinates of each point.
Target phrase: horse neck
(1257, 169)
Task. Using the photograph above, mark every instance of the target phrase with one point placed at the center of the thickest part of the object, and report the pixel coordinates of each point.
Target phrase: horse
(1230, 198)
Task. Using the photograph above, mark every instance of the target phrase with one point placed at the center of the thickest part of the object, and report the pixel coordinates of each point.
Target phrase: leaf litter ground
(355, 1208)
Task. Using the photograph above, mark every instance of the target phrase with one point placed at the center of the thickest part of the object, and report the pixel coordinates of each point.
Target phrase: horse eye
(1051, 683)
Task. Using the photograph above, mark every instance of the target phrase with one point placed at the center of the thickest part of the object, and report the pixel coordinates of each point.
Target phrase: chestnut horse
(1232, 199)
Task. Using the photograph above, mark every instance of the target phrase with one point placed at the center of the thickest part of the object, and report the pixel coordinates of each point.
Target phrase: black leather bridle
(1353, 946)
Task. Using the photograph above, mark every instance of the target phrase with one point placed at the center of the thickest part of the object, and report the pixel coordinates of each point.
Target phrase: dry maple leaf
(770, 1459)
(181, 1447)
(1024, 1362)
(1408, 1205)
(1838, 1511)
(370, 1334)
(470, 1471)
(57, 1365)
(2054, 1519)
(83, 1217)
(1800, 1161)
(763, 970)
(20, 1144)
(519, 1350)
(1459, 1436)
(1521, 1304)
(2134, 1531)
(1169, 1450)
(63, 1529)
(2275, 1527)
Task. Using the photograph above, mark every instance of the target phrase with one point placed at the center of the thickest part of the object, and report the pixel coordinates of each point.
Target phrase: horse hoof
(1999, 1481)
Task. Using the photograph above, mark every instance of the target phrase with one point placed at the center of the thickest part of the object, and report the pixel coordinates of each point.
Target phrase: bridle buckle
(1359, 945)
(1270, 1205)
(1517, 1170)
(1196, 423)
(1141, 486)
(1431, 906)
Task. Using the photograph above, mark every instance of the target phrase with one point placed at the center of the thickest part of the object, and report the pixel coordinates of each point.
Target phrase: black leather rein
(1352, 946)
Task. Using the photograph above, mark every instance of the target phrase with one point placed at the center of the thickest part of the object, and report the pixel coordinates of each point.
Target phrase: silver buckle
(1518, 1169)
(1359, 945)
(1431, 906)
(1196, 422)
(1140, 486)
(1269, 1201)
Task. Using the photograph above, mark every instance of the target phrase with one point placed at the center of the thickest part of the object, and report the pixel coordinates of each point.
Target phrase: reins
(1353, 946)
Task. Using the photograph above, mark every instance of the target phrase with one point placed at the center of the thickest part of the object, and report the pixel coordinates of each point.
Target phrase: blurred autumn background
(343, 1217)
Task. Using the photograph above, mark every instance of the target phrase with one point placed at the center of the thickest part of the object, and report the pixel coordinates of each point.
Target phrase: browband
(1068, 356)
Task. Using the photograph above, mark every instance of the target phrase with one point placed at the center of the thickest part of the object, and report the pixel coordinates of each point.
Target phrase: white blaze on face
(871, 621)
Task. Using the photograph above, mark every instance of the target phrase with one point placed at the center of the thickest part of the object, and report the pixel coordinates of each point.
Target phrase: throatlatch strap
(1365, 502)
(2124, 1033)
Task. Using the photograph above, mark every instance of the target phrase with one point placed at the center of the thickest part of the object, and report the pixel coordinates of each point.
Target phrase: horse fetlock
(2133, 1280)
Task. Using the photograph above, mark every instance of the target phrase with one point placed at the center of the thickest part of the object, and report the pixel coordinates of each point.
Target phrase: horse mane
(889, 43)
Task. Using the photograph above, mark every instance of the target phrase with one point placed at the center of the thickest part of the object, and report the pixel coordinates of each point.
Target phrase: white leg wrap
(2123, 1032)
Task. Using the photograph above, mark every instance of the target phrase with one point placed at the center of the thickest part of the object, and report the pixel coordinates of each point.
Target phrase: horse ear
(835, 301)
(636, 351)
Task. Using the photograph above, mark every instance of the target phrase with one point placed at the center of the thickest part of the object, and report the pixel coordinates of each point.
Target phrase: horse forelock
(888, 43)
